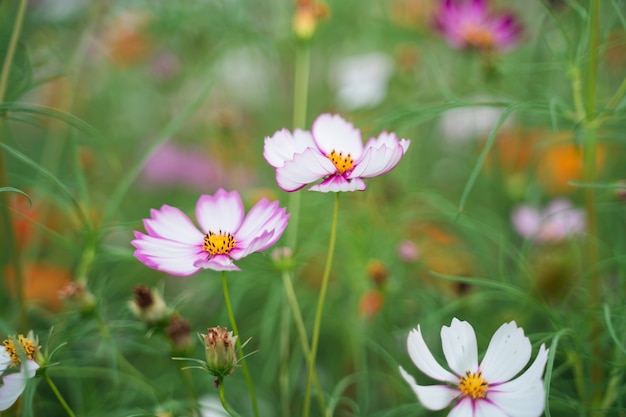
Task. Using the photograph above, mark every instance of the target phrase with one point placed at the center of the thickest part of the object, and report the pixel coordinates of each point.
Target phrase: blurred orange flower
(126, 39)
(371, 303)
(42, 284)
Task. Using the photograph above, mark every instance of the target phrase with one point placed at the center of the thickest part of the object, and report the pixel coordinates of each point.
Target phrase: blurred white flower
(211, 406)
(464, 124)
(485, 390)
(244, 75)
(559, 220)
(361, 80)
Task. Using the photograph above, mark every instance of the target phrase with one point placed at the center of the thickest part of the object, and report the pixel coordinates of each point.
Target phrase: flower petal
(217, 263)
(485, 408)
(305, 168)
(255, 244)
(15, 383)
(530, 376)
(332, 132)
(337, 183)
(464, 408)
(527, 402)
(381, 155)
(171, 223)
(459, 346)
(263, 217)
(284, 145)
(424, 360)
(165, 255)
(508, 352)
(433, 397)
(222, 212)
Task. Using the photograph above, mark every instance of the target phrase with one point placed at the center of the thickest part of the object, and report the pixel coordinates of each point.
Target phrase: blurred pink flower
(469, 24)
(556, 222)
(173, 165)
(174, 244)
(333, 152)
(408, 251)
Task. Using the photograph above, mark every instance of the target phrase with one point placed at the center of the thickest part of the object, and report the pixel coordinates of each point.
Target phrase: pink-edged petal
(332, 132)
(508, 352)
(264, 216)
(529, 377)
(424, 360)
(528, 402)
(15, 383)
(381, 156)
(526, 220)
(338, 183)
(304, 169)
(464, 408)
(256, 244)
(217, 263)
(459, 347)
(432, 397)
(166, 255)
(221, 212)
(284, 145)
(485, 408)
(171, 223)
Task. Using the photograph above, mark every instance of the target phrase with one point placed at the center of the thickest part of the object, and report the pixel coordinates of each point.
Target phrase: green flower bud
(220, 351)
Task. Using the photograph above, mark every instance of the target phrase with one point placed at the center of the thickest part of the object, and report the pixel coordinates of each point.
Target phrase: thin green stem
(13, 254)
(617, 97)
(589, 161)
(304, 340)
(320, 308)
(220, 382)
(54, 389)
(242, 361)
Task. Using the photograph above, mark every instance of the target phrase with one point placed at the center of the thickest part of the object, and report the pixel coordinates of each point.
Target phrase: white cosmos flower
(485, 390)
(19, 351)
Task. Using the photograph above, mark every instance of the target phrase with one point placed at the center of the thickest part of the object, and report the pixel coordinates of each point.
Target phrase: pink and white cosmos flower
(176, 246)
(332, 152)
(485, 390)
(469, 24)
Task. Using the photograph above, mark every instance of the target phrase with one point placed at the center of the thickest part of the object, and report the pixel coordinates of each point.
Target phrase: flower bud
(282, 258)
(377, 272)
(76, 295)
(148, 306)
(179, 333)
(306, 16)
(220, 351)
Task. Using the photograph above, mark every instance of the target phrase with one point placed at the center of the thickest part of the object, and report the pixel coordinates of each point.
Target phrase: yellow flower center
(342, 163)
(479, 37)
(218, 243)
(473, 385)
(28, 349)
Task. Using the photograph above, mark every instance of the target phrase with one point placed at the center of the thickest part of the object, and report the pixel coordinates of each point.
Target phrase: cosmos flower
(333, 152)
(485, 390)
(469, 24)
(559, 220)
(176, 246)
(19, 352)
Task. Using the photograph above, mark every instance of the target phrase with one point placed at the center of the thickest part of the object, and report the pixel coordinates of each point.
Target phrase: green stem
(13, 249)
(220, 382)
(304, 340)
(589, 161)
(54, 389)
(242, 361)
(320, 308)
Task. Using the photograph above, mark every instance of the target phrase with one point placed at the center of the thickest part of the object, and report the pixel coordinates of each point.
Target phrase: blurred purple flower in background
(469, 24)
(559, 220)
(408, 251)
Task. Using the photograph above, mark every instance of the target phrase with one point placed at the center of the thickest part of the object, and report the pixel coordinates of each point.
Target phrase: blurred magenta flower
(408, 251)
(559, 220)
(484, 390)
(333, 152)
(173, 165)
(469, 24)
(19, 352)
(174, 244)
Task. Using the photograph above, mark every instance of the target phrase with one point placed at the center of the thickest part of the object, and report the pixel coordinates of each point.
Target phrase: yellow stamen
(473, 385)
(218, 243)
(342, 163)
(28, 349)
